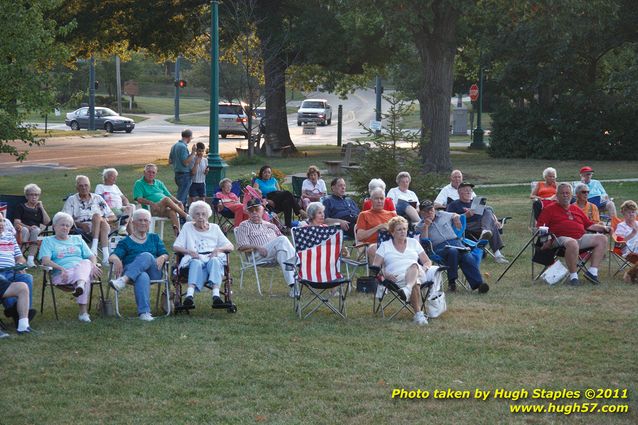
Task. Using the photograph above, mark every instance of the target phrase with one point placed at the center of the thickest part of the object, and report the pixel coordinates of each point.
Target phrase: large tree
(29, 52)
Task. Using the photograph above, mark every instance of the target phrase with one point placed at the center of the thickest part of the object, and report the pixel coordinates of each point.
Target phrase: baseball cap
(586, 169)
(426, 205)
(466, 184)
(253, 203)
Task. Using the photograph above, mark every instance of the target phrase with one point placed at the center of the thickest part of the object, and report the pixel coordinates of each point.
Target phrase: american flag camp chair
(318, 250)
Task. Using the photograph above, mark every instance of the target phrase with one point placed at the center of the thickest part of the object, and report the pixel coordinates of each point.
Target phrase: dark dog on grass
(631, 275)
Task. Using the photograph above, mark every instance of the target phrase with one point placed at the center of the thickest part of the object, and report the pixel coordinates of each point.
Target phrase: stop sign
(474, 92)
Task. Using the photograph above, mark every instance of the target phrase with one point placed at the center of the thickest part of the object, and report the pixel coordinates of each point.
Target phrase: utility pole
(92, 94)
(477, 139)
(118, 82)
(177, 88)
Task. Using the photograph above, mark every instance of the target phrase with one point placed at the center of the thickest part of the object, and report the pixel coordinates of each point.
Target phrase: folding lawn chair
(616, 247)
(225, 217)
(318, 251)
(47, 273)
(547, 257)
(248, 261)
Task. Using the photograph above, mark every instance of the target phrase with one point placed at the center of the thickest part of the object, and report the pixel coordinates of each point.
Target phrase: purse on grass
(555, 273)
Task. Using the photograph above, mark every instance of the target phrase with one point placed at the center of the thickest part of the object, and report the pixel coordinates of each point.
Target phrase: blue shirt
(127, 249)
(66, 253)
(596, 189)
(459, 208)
(179, 152)
(267, 186)
(337, 207)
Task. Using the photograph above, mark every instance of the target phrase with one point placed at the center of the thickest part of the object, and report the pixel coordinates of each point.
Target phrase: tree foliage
(30, 51)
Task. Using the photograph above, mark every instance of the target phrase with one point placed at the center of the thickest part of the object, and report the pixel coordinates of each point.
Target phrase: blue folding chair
(225, 217)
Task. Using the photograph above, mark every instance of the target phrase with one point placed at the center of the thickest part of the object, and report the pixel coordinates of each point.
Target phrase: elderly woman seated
(544, 192)
(313, 188)
(204, 247)
(388, 204)
(152, 194)
(371, 221)
(316, 215)
(590, 210)
(72, 261)
(627, 231)
(15, 285)
(30, 219)
(399, 258)
(229, 202)
(138, 259)
(405, 201)
(114, 198)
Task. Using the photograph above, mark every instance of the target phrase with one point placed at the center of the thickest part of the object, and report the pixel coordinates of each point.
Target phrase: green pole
(477, 140)
(216, 165)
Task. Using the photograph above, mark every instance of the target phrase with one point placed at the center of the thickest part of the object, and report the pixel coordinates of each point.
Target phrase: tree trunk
(277, 134)
(437, 50)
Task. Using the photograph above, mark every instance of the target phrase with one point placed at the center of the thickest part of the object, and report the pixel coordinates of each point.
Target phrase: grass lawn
(263, 365)
(166, 105)
(412, 120)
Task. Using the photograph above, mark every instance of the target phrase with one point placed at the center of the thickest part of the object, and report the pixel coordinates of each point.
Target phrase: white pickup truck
(314, 110)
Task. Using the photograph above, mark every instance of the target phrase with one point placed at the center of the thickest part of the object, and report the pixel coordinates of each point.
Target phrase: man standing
(180, 159)
(266, 240)
(569, 224)
(91, 215)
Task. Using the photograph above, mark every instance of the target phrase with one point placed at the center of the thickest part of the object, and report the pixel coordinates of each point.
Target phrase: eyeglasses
(584, 191)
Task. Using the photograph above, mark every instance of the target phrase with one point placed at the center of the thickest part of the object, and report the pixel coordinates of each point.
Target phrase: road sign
(131, 88)
(375, 125)
(474, 92)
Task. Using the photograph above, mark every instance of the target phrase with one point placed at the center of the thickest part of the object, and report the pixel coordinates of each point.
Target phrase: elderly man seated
(91, 215)
(115, 199)
(450, 192)
(266, 239)
(373, 220)
(487, 223)
(569, 224)
(438, 227)
(152, 194)
(16, 287)
(340, 209)
(597, 194)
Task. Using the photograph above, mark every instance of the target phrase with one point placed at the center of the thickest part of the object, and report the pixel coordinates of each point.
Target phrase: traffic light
(97, 84)
(181, 84)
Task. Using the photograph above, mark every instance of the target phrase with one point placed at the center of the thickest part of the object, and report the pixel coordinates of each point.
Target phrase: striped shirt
(9, 250)
(200, 176)
(251, 234)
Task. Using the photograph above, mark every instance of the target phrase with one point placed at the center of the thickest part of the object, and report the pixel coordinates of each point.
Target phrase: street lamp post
(477, 139)
(216, 165)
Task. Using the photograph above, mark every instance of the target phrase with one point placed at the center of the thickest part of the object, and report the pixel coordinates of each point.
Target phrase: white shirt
(395, 194)
(111, 194)
(83, 211)
(200, 241)
(632, 244)
(448, 192)
(199, 176)
(317, 189)
(397, 263)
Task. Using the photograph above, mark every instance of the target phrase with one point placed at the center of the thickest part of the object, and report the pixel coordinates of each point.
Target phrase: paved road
(152, 139)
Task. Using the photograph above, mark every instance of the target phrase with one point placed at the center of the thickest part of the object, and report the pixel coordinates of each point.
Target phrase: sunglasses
(584, 191)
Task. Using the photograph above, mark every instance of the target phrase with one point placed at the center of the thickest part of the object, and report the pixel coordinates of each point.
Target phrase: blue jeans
(201, 271)
(141, 271)
(183, 182)
(468, 262)
(12, 276)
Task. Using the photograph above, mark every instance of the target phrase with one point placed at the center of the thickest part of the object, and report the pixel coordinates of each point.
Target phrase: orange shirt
(369, 219)
(591, 211)
(545, 190)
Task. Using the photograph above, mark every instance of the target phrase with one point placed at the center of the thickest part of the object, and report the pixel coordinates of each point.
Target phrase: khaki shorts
(158, 211)
(588, 240)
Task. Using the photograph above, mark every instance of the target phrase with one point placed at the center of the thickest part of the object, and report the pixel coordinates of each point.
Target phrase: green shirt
(153, 192)
(179, 152)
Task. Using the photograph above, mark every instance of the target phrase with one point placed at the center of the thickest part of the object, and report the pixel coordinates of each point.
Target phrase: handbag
(436, 304)
(555, 273)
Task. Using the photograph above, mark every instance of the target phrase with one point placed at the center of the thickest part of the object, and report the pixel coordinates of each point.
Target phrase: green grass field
(166, 105)
(263, 365)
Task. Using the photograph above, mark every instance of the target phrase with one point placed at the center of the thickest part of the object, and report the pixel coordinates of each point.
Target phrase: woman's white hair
(313, 209)
(376, 184)
(200, 205)
(377, 190)
(550, 170)
(137, 213)
(108, 171)
(579, 187)
(402, 175)
(62, 217)
(32, 187)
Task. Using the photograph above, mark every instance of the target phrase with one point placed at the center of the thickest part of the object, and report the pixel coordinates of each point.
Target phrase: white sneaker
(79, 290)
(30, 263)
(500, 259)
(84, 317)
(420, 319)
(146, 317)
(380, 291)
(407, 292)
(118, 284)
(122, 231)
(486, 234)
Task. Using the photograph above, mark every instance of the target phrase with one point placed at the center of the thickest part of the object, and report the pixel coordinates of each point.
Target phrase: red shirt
(571, 222)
